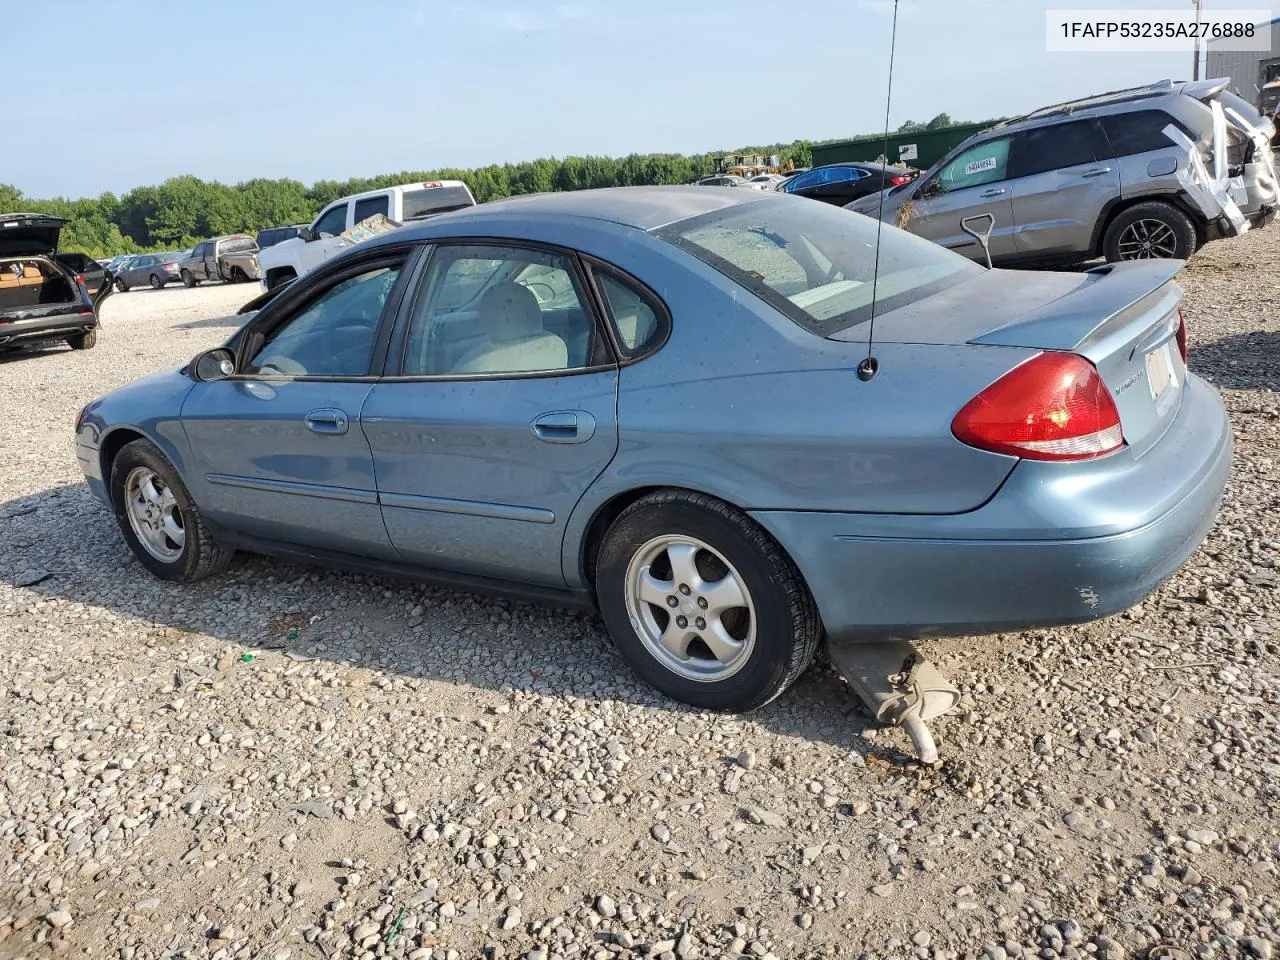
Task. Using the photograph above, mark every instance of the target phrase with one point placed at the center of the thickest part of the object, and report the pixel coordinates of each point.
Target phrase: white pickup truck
(323, 238)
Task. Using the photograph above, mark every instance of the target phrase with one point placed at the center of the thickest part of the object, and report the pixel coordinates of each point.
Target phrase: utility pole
(1195, 68)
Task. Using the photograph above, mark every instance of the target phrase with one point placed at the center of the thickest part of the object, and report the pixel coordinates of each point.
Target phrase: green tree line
(185, 209)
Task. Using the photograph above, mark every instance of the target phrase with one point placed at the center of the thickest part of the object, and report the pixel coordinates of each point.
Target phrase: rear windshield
(429, 200)
(170, 257)
(815, 262)
(239, 246)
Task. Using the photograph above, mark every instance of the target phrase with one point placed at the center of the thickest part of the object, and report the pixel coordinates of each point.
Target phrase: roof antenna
(870, 365)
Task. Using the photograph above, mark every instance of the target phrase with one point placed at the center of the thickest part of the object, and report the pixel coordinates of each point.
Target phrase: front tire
(83, 341)
(121, 285)
(703, 604)
(187, 279)
(161, 523)
(1153, 230)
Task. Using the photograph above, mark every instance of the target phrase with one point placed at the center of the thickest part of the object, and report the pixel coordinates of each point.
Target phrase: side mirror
(980, 227)
(213, 364)
(306, 235)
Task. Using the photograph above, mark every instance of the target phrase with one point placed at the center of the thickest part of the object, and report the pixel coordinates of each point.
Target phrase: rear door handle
(565, 426)
(1098, 172)
(999, 191)
(326, 420)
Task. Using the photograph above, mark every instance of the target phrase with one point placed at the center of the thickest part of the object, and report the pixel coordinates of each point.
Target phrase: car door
(138, 272)
(498, 411)
(1064, 178)
(975, 182)
(278, 449)
(326, 239)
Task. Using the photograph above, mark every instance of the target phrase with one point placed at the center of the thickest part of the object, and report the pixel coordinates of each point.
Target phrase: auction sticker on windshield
(977, 166)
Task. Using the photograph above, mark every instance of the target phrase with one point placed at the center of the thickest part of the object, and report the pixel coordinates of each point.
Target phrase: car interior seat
(514, 337)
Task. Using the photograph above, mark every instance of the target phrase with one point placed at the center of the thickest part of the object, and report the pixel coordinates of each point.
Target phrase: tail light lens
(1052, 407)
(898, 181)
(1182, 335)
(80, 278)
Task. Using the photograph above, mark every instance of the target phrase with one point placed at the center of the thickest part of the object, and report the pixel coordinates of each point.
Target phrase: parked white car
(323, 239)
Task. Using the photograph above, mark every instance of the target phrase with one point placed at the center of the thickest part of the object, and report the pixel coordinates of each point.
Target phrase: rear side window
(372, 206)
(1138, 132)
(1059, 146)
(636, 318)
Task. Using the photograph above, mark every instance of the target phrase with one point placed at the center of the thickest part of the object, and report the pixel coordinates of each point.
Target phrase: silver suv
(1128, 175)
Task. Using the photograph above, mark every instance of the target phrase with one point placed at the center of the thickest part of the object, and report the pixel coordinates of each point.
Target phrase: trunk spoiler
(1074, 320)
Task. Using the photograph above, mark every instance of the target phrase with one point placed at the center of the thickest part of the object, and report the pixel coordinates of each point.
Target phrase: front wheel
(187, 279)
(161, 523)
(703, 603)
(1150, 231)
(121, 285)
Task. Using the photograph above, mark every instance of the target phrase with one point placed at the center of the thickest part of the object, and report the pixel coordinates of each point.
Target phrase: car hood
(29, 234)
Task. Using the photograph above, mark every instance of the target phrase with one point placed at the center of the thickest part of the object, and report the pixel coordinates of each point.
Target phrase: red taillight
(898, 181)
(1053, 407)
(1182, 335)
(79, 278)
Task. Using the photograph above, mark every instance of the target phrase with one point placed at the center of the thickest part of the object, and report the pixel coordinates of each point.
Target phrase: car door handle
(326, 420)
(999, 191)
(567, 426)
(1097, 172)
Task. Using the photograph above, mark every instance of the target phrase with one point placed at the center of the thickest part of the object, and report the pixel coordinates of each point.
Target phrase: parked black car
(41, 297)
(273, 235)
(842, 183)
(84, 266)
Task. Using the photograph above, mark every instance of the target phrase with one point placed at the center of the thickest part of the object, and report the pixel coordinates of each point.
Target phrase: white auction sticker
(1155, 31)
(977, 166)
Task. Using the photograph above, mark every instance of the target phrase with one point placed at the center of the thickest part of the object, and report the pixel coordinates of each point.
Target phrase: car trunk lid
(1123, 318)
(29, 234)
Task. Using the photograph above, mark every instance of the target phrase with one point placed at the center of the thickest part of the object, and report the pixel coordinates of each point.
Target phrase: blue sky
(327, 89)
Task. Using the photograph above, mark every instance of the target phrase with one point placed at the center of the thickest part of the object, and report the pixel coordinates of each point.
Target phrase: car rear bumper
(53, 327)
(1057, 544)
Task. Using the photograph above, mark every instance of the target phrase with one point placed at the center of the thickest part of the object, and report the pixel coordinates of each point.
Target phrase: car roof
(643, 208)
(1196, 89)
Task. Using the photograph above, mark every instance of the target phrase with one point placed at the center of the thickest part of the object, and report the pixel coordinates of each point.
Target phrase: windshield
(429, 200)
(815, 262)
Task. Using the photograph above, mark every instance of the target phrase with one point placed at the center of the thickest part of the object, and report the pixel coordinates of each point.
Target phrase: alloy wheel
(154, 514)
(1147, 240)
(690, 608)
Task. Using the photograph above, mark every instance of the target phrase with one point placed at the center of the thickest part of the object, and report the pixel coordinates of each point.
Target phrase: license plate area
(1164, 375)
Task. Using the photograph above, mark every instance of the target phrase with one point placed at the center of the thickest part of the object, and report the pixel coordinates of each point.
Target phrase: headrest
(510, 311)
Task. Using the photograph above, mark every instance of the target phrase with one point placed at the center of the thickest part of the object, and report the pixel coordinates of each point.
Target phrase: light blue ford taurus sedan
(646, 401)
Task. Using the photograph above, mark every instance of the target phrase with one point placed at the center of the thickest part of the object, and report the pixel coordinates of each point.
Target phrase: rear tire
(187, 279)
(198, 555)
(1150, 230)
(84, 341)
(675, 539)
(156, 282)
(238, 275)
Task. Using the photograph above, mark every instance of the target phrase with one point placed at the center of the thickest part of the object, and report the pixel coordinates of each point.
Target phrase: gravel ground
(285, 763)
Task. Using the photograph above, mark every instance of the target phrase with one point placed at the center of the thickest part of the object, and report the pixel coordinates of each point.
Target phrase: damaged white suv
(1151, 172)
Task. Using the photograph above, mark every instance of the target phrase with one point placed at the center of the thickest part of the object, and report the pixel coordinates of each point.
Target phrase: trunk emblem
(1130, 382)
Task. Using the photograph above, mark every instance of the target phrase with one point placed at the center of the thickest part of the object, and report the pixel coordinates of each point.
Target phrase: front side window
(333, 335)
(815, 262)
(986, 162)
(371, 206)
(498, 310)
(333, 222)
(1059, 146)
